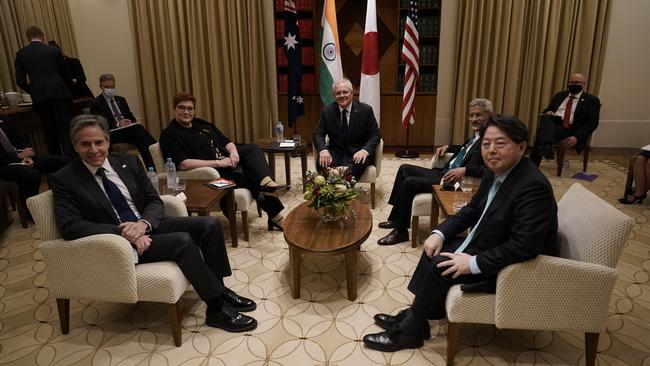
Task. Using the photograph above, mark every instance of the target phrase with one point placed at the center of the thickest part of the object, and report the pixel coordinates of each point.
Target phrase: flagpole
(407, 154)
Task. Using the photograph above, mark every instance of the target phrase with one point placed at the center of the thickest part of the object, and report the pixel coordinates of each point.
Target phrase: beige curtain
(52, 16)
(216, 50)
(518, 53)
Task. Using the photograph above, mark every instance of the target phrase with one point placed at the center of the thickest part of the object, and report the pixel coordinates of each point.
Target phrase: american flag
(292, 50)
(411, 57)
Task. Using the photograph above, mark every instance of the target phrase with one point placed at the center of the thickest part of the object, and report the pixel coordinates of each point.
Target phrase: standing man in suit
(49, 85)
(569, 120)
(20, 164)
(118, 114)
(513, 217)
(352, 130)
(77, 74)
(412, 180)
(99, 193)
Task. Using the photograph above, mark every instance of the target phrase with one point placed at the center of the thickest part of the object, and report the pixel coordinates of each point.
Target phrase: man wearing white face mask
(121, 121)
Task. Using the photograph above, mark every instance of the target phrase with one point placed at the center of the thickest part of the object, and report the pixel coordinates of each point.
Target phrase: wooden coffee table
(444, 201)
(306, 233)
(202, 200)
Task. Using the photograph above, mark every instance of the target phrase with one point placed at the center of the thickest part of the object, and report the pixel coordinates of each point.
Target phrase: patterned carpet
(322, 327)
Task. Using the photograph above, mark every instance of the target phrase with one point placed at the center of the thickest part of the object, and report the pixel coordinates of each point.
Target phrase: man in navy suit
(99, 193)
(352, 130)
(121, 120)
(569, 120)
(412, 180)
(49, 85)
(513, 218)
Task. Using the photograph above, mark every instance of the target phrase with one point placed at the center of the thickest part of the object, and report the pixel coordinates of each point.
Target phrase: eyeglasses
(185, 108)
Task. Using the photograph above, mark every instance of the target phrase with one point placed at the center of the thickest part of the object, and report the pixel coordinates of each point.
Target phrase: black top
(201, 141)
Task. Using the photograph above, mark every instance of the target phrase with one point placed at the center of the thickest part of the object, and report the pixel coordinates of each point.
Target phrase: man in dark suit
(77, 74)
(411, 180)
(569, 120)
(99, 193)
(19, 163)
(352, 130)
(49, 85)
(121, 120)
(513, 217)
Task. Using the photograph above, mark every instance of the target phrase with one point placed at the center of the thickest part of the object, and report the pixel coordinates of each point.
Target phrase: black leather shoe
(387, 225)
(230, 320)
(387, 321)
(236, 302)
(272, 225)
(547, 152)
(394, 237)
(275, 191)
(392, 341)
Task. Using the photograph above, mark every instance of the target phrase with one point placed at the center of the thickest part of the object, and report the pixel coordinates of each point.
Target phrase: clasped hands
(325, 158)
(124, 122)
(458, 264)
(26, 156)
(134, 232)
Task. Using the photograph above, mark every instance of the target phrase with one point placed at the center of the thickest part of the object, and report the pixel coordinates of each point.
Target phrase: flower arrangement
(330, 193)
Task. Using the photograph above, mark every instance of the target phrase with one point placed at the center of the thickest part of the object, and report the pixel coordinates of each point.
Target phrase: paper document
(127, 126)
(646, 148)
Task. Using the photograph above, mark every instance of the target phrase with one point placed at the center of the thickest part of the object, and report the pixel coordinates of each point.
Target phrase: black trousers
(138, 136)
(410, 181)
(28, 179)
(55, 115)
(549, 131)
(253, 168)
(345, 159)
(430, 287)
(196, 244)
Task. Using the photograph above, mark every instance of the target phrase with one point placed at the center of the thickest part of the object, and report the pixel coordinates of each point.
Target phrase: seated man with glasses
(193, 143)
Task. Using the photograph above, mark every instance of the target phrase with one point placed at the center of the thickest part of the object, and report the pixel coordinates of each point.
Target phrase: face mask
(575, 89)
(109, 93)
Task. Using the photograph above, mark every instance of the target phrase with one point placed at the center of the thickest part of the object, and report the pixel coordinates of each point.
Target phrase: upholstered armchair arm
(173, 206)
(379, 155)
(198, 173)
(554, 294)
(98, 267)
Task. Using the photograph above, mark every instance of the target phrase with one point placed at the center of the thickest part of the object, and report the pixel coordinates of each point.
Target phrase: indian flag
(330, 53)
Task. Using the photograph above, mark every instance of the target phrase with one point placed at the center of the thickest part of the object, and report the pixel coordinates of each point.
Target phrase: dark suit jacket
(363, 131)
(585, 117)
(16, 138)
(473, 161)
(81, 208)
(79, 88)
(48, 75)
(520, 223)
(100, 106)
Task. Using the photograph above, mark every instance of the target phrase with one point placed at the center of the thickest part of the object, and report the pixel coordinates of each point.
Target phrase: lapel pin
(123, 165)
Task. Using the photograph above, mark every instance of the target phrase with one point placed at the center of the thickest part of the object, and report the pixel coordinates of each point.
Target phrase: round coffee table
(306, 233)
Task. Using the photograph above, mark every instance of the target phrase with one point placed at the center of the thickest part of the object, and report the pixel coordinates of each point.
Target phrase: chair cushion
(160, 282)
(469, 307)
(422, 204)
(370, 175)
(243, 199)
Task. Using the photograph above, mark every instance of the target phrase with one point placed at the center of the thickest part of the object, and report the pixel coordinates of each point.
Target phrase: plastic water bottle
(279, 132)
(170, 167)
(153, 177)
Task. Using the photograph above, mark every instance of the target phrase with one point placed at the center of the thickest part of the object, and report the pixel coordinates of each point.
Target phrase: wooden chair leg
(244, 224)
(560, 161)
(453, 331)
(174, 311)
(372, 195)
(591, 347)
(585, 158)
(63, 306)
(259, 210)
(414, 231)
(19, 206)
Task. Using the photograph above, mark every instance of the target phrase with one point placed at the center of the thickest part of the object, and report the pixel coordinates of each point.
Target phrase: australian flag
(292, 49)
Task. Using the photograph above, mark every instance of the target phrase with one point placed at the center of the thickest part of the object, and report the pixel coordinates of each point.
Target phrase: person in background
(79, 87)
(352, 130)
(641, 174)
(49, 85)
(193, 143)
(412, 180)
(121, 121)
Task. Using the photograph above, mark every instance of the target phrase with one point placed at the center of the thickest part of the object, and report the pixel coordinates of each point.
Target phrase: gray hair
(483, 103)
(345, 81)
(88, 120)
(105, 77)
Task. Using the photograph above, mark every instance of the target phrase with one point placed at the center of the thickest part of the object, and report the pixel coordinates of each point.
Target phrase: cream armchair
(100, 267)
(422, 201)
(371, 173)
(571, 292)
(243, 197)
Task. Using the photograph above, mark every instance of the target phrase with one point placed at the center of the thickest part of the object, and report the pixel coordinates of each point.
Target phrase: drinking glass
(297, 139)
(466, 184)
(459, 202)
(180, 185)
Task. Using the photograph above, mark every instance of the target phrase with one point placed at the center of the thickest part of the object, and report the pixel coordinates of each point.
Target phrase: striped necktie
(458, 160)
(117, 198)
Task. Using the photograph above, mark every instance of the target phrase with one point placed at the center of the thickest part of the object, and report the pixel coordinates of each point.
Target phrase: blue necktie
(493, 191)
(458, 160)
(117, 198)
